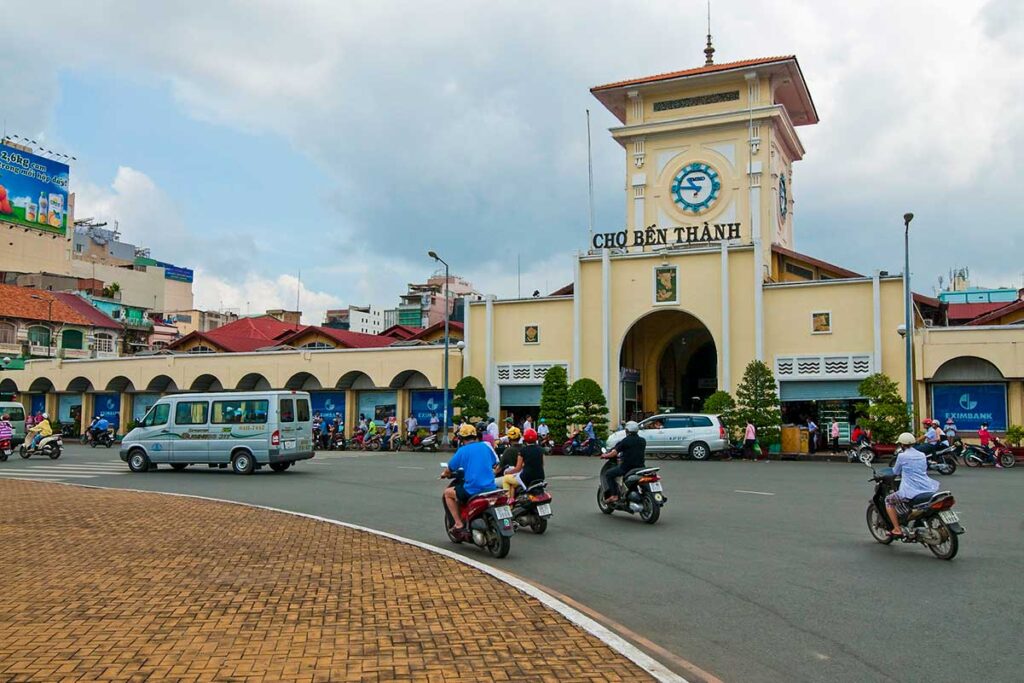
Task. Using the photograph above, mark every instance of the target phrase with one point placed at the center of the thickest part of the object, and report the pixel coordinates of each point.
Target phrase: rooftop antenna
(590, 176)
(709, 51)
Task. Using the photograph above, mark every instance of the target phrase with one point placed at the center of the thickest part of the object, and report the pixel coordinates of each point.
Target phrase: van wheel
(700, 451)
(138, 461)
(279, 466)
(242, 463)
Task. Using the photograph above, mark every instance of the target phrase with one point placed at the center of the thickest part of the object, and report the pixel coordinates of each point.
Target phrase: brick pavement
(114, 585)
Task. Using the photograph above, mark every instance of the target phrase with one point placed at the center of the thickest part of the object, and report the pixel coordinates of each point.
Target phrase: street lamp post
(49, 321)
(908, 319)
(444, 434)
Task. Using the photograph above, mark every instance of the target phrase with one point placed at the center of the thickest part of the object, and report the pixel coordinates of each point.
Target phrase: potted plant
(1014, 435)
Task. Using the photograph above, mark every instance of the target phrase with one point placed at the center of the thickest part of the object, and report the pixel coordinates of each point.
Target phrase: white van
(243, 429)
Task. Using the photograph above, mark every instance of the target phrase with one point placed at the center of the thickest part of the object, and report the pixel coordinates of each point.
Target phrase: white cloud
(256, 294)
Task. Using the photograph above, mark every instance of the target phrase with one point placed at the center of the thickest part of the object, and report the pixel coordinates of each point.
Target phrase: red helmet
(530, 436)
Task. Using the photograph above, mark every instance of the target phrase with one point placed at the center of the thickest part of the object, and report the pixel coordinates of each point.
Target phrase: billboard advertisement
(33, 190)
(328, 403)
(108, 406)
(427, 403)
(971, 404)
(377, 405)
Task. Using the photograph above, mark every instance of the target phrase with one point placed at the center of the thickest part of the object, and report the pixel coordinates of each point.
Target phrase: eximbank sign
(33, 190)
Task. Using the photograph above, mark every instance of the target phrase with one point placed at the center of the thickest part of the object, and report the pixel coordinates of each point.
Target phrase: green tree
(588, 404)
(722, 403)
(470, 398)
(885, 409)
(553, 402)
(758, 403)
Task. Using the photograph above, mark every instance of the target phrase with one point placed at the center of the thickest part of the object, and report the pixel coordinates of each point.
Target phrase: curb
(614, 641)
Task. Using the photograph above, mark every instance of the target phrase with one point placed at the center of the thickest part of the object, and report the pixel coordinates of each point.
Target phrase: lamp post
(49, 320)
(444, 434)
(908, 319)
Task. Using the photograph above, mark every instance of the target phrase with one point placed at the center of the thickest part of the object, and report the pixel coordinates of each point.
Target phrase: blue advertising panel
(427, 403)
(108, 406)
(377, 405)
(33, 190)
(141, 403)
(38, 403)
(971, 404)
(69, 408)
(328, 403)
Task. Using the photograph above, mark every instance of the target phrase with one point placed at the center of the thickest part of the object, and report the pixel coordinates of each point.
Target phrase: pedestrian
(835, 436)
(527, 423)
(750, 441)
(435, 424)
(812, 435)
(411, 425)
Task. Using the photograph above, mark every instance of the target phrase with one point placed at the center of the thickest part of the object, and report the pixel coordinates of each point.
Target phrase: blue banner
(33, 190)
(970, 404)
(430, 402)
(38, 404)
(328, 403)
(108, 406)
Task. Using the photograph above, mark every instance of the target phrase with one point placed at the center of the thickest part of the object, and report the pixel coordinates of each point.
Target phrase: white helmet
(632, 427)
(906, 439)
(46, 416)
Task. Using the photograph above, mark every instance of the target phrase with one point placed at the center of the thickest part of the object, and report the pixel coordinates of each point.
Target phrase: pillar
(724, 354)
(88, 402)
(351, 411)
(490, 380)
(577, 325)
(403, 404)
(125, 417)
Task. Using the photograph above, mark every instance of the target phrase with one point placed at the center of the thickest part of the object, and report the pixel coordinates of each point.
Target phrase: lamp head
(902, 330)
(907, 217)
(6, 361)
(433, 254)
(460, 345)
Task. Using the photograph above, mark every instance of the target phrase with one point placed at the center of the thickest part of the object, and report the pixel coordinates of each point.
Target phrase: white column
(577, 337)
(876, 303)
(466, 367)
(606, 322)
(724, 356)
(755, 226)
(490, 385)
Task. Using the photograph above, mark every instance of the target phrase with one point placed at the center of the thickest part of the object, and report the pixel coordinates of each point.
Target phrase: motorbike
(930, 522)
(974, 455)
(941, 458)
(104, 439)
(862, 452)
(5, 450)
(50, 446)
(531, 507)
(640, 492)
(336, 441)
(423, 443)
(486, 519)
(579, 446)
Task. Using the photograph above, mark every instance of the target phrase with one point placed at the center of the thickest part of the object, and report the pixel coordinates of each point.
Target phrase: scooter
(531, 508)
(640, 492)
(50, 446)
(930, 521)
(104, 439)
(976, 456)
(423, 443)
(5, 450)
(486, 519)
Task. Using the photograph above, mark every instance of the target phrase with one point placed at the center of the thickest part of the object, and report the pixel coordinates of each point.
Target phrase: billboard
(328, 403)
(108, 406)
(377, 405)
(970, 405)
(429, 402)
(33, 190)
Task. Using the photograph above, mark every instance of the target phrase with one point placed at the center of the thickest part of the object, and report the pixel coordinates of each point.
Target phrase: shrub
(470, 398)
(722, 403)
(588, 404)
(885, 410)
(553, 402)
(758, 403)
(1015, 434)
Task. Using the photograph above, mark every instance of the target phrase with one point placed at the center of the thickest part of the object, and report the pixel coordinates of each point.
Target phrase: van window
(303, 407)
(286, 410)
(701, 421)
(677, 422)
(653, 423)
(240, 412)
(15, 413)
(157, 415)
(191, 413)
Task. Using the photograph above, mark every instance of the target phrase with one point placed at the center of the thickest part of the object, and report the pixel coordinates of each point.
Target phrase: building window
(71, 339)
(821, 322)
(801, 272)
(317, 345)
(39, 336)
(8, 333)
(201, 348)
(103, 343)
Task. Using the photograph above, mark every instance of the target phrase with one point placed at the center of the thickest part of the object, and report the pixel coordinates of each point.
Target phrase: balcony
(74, 353)
(10, 349)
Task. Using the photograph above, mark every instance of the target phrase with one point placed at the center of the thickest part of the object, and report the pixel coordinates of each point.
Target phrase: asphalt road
(755, 572)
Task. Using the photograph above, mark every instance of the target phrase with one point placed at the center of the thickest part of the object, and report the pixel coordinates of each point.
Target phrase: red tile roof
(19, 302)
(927, 300)
(439, 326)
(96, 317)
(998, 313)
(244, 334)
(971, 311)
(345, 338)
(698, 71)
(401, 332)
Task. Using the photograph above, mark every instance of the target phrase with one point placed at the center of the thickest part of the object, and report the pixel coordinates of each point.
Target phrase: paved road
(749, 586)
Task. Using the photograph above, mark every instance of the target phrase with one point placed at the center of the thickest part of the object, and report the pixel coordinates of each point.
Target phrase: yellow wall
(554, 316)
(24, 250)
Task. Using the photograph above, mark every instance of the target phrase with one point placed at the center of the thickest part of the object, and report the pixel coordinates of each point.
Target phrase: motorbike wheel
(877, 525)
(972, 460)
(947, 549)
(24, 452)
(110, 442)
(540, 526)
(651, 511)
(866, 456)
(947, 466)
(92, 443)
(53, 452)
(1007, 459)
(497, 545)
(448, 521)
(601, 504)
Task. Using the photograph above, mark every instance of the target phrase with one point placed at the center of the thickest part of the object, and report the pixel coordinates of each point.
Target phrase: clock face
(783, 197)
(696, 188)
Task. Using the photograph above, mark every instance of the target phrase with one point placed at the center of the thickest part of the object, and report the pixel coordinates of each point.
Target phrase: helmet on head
(906, 439)
(632, 427)
(490, 420)
(46, 416)
(935, 422)
(542, 420)
(530, 436)
(467, 431)
(481, 426)
(514, 434)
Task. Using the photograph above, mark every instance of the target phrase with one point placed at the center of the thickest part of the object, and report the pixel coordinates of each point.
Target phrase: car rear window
(302, 406)
(701, 421)
(286, 410)
(15, 413)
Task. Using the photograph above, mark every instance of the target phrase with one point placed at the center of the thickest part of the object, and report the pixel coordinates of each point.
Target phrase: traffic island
(120, 585)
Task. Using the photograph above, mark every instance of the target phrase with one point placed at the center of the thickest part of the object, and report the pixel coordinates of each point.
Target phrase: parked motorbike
(862, 453)
(532, 508)
(580, 446)
(486, 519)
(336, 441)
(974, 455)
(640, 492)
(423, 443)
(50, 446)
(943, 460)
(930, 522)
(5, 450)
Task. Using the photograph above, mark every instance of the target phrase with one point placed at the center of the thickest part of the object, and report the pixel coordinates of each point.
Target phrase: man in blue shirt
(476, 460)
(912, 468)
(99, 427)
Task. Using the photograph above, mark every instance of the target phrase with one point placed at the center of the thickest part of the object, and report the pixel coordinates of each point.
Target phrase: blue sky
(250, 139)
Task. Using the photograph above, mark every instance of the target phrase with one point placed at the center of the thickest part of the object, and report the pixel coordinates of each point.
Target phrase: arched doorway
(668, 361)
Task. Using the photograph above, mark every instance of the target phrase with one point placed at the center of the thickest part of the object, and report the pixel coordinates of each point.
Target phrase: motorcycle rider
(912, 467)
(6, 430)
(951, 428)
(630, 452)
(542, 431)
(40, 430)
(985, 437)
(529, 464)
(477, 461)
(509, 458)
(98, 428)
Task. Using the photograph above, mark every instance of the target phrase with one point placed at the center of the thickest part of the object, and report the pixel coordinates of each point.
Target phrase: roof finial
(709, 51)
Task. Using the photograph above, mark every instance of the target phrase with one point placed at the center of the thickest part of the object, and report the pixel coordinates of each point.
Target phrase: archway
(162, 384)
(79, 385)
(668, 361)
(354, 379)
(8, 386)
(206, 382)
(41, 385)
(120, 384)
(302, 381)
(410, 379)
(254, 381)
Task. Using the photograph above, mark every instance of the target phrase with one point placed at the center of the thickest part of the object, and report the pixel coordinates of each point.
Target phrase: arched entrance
(668, 361)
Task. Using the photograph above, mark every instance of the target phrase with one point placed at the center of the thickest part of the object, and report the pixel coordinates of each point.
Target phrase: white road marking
(755, 493)
(25, 474)
(407, 467)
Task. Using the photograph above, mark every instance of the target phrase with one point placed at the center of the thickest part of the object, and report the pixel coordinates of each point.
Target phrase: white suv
(694, 434)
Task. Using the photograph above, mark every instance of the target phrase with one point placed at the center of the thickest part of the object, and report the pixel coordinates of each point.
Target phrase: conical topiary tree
(757, 402)
(553, 401)
(470, 398)
(588, 404)
(886, 410)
